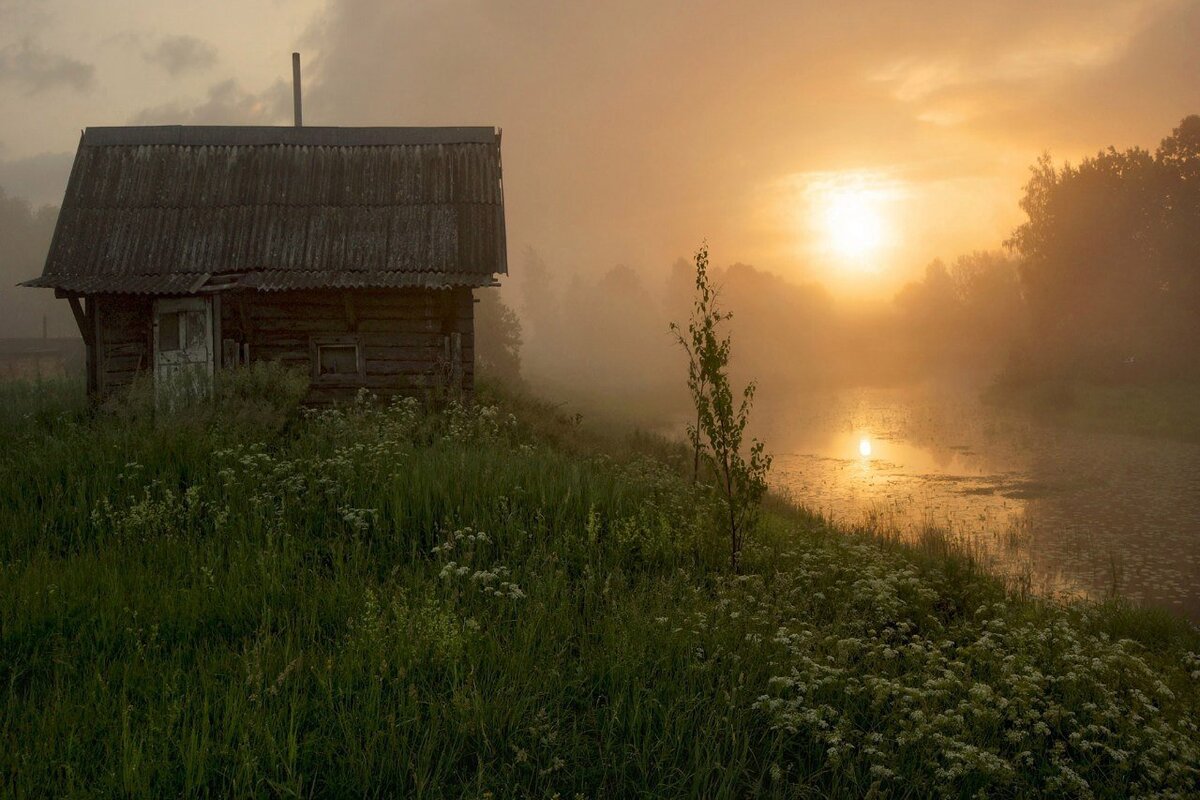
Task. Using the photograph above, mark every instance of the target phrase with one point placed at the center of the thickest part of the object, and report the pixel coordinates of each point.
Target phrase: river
(1066, 512)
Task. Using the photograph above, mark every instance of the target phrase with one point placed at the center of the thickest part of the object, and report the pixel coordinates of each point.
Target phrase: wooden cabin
(352, 253)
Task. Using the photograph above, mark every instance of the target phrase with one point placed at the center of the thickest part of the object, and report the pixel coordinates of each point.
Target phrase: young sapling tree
(719, 431)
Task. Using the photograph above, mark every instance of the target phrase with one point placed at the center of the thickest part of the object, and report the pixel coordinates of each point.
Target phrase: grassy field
(251, 599)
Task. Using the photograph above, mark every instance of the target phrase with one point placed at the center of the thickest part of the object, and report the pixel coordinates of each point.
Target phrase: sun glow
(853, 224)
(864, 447)
(848, 223)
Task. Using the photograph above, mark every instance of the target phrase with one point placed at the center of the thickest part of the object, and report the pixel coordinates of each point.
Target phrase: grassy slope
(266, 603)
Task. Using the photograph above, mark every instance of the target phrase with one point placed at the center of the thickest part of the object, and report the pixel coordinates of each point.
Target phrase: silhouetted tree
(969, 313)
(540, 300)
(720, 420)
(1179, 155)
(1110, 257)
(25, 234)
(497, 339)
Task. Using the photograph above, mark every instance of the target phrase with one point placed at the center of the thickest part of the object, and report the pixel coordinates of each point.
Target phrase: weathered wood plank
(419, 340)
(122, 375)
(123, 363)
(286, 356)
(338, 326)
(400, 380)
(399, 367)
(134, 348)
(267, 314)
(299, 325)
(402, 339)
(398, 325)
(272, 312)
(398, 353)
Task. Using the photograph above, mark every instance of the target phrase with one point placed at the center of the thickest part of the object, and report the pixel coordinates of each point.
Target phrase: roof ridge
(420, 203)
(262, 135)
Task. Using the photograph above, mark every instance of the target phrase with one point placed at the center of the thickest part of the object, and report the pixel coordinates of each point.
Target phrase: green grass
(250, 599)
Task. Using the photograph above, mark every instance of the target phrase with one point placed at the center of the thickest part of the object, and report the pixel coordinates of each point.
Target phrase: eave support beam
(82, 319)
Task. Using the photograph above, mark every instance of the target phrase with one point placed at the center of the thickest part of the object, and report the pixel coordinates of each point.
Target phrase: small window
(337, 359)
(168, 331)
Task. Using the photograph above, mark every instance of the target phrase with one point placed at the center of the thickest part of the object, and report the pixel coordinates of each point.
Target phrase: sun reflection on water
(1068, 513)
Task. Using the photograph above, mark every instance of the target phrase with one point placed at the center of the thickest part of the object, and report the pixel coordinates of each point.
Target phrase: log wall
(404, 335)
(123, 341)
(413, 341)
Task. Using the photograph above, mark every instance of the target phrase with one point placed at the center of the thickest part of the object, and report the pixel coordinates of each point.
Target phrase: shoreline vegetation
(252, 598)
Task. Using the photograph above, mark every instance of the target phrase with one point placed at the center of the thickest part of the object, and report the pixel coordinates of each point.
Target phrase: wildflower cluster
(537, 746)
(671, 523)
(465, 423)
(870, 680)
(262, 478)
(467, 546)
(396, 632)
(158, 512)
(1191, 662)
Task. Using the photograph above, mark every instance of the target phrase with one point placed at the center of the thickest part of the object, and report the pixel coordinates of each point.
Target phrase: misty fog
(911, 286)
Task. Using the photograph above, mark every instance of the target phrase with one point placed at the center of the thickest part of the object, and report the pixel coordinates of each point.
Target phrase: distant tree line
(497, 339)
(1101, 282)
(969, 313)
(1110, 264)
(25, 234)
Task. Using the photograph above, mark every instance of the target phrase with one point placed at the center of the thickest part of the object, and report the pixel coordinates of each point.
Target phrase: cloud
(40, 179)
(633, 129)
(28, 65)
(1134, 97)
(1034, 65)
(179, 54)
(24, 15)
(228, 103)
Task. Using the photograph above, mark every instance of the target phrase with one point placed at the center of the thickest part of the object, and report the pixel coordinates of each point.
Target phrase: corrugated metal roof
(153, 209)
(179, 283)
(276, 280)
(309, 134)
(266, 281)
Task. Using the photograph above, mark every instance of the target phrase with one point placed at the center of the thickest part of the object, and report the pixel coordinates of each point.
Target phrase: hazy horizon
(633, 133)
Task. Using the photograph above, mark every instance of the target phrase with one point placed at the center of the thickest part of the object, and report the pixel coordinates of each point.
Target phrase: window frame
(160, 330)
(357, 378)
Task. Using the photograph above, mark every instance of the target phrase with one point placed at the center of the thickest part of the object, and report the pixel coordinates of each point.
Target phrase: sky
(635, 130)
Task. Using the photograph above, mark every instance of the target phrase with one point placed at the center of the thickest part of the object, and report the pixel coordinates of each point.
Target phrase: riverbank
(376, 601)
(1167, 411)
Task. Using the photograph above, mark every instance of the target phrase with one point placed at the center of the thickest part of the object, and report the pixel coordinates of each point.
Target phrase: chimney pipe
(296, 89)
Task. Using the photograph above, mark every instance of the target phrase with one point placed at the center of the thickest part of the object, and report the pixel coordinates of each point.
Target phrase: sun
(853, 224)
(849, 224)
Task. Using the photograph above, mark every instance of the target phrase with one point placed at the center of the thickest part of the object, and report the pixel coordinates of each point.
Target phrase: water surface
(1068, 511)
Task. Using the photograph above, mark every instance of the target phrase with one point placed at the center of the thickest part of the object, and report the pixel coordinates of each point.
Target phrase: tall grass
(253, 599)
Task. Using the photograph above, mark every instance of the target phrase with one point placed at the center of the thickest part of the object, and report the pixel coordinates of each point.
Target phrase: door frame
(183, 303)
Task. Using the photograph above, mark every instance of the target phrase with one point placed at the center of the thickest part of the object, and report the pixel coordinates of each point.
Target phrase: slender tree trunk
(734, 544)
(701, 386)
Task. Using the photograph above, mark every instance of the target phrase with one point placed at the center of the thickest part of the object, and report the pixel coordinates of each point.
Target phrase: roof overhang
(258, 280)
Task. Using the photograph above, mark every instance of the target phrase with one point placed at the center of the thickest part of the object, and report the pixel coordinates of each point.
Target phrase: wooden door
(183, 349)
